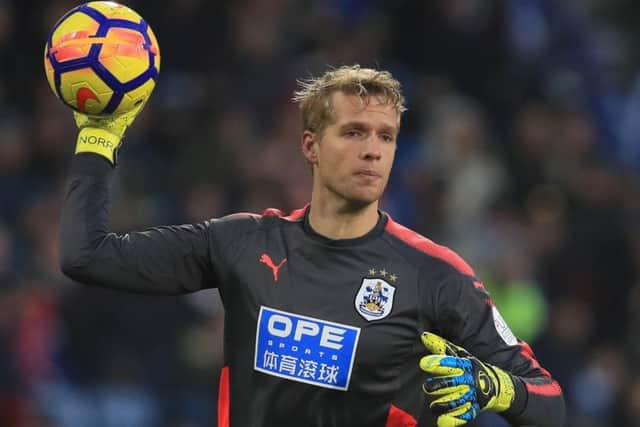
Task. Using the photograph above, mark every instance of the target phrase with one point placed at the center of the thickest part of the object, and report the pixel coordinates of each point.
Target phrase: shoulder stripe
(250, 214)
(272, 212)
(293, 216)
(297, 214)
(549, 390)
(428, 247)
(223, 398)
(527, 353)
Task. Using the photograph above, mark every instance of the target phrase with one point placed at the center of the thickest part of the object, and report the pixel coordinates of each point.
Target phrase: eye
(352, 133)
(387, 137)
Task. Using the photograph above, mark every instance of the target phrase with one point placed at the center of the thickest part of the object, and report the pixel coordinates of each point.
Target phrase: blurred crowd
(520, 150)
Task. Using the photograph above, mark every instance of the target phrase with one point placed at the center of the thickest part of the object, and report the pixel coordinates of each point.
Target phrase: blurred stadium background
(520, 150)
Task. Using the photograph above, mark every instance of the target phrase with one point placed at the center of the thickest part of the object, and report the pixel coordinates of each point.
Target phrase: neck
(341, 220)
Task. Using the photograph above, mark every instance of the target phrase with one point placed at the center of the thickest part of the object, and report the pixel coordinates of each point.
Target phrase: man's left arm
(468, 318)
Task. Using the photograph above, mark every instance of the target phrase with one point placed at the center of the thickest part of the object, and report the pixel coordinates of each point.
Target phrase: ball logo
(84, 94)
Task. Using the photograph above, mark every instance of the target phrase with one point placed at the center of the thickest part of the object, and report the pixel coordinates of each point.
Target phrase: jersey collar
(374, 233)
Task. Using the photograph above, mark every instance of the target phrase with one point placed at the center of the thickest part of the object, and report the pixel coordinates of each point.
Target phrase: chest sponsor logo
(305, 349)
(374, 299)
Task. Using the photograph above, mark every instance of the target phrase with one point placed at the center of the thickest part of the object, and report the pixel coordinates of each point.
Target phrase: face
(352, 158)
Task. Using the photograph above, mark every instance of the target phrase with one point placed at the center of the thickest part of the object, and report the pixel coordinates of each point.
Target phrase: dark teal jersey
(318, 332)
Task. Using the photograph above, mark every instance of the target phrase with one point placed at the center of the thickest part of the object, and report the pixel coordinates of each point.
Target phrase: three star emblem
(383, 273)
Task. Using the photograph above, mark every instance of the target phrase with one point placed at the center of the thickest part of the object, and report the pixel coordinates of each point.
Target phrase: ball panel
(132, 98)
(123, 54)
(84, 91)
(114, 10)
(73, 51)
(75, 26)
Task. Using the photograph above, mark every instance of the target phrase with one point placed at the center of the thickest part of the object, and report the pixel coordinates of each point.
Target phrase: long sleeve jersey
(318, 332)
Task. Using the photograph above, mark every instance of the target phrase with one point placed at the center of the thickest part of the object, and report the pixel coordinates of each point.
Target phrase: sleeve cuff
(91, 164)
(520, 398)
(99, 141)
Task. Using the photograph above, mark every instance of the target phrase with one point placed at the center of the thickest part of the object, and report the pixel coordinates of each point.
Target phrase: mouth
(368, 173)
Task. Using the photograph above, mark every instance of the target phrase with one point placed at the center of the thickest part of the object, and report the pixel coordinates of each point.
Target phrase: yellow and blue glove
(103, 134)
(460, 384)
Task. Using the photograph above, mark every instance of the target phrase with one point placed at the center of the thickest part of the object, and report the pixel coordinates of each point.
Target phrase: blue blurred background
(519, 150)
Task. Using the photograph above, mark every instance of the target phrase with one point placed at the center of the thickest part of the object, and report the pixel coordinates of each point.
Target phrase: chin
(364, 199)
(358, 196)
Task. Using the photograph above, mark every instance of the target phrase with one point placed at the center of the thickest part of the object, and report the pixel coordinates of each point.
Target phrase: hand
(103, 135)
(462, 384)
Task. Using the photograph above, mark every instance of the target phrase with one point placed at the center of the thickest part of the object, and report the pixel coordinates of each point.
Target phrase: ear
(310, 146)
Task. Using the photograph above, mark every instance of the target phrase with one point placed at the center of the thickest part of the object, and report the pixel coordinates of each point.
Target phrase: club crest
(374, 299)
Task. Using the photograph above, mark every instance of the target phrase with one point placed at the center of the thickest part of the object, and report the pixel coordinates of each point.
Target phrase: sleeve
(467, 316)
(161, 260)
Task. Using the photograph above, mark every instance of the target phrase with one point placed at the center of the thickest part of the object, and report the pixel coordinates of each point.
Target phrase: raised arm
(162, 260)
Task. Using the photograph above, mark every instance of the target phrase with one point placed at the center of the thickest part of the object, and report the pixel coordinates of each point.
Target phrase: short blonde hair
(314, 95)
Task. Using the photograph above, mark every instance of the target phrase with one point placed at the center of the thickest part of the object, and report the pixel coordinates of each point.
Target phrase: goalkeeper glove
(462, 384)
(103, 135)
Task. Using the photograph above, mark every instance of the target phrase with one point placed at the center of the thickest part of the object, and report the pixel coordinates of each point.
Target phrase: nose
(371, 149)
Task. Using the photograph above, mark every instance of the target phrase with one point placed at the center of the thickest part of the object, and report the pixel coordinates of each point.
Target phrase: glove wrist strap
(98, 141)
(506, 392)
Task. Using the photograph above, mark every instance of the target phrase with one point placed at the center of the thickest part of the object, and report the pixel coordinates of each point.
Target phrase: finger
(468, 412)
(84, 120)
(131, 115)
(446, 391)
(80, 119)
(439, 385)
(459, 396)
(450, 421)
(458, 416)
(435, 344)
(444, 365)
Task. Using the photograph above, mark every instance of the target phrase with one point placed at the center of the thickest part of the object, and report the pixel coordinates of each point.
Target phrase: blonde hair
(314, 95)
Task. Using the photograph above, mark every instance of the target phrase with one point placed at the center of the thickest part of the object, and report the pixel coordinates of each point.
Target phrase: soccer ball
(102, 59)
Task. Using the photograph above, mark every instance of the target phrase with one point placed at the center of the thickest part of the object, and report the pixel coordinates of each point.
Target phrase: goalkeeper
(335, 315)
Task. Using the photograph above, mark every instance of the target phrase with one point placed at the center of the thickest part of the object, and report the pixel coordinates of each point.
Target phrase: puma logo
(266, 259)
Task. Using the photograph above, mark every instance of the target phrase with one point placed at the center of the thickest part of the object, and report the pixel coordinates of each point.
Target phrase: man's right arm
(162, 260)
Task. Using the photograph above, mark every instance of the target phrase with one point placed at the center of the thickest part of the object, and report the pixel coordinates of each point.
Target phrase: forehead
(354, 108)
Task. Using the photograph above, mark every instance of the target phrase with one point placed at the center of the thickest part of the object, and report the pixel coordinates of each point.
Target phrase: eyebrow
(362, 125)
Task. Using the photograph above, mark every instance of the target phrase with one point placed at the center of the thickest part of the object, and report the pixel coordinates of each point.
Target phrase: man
(333, 314)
